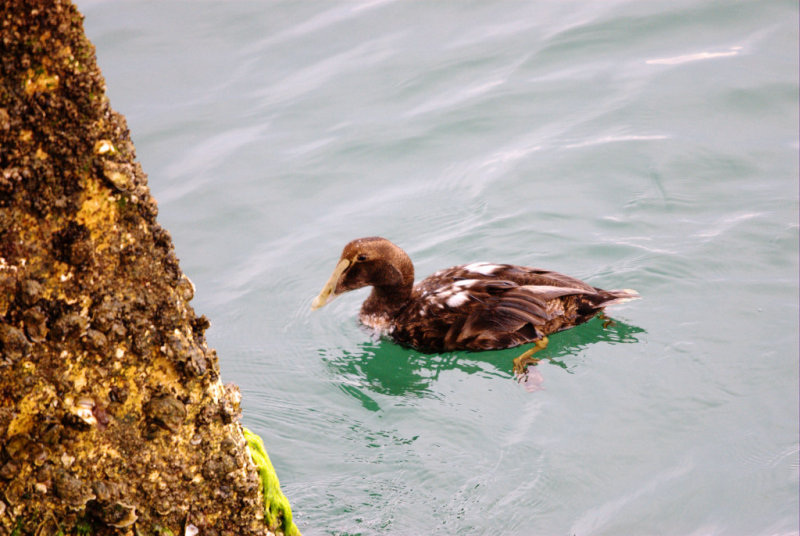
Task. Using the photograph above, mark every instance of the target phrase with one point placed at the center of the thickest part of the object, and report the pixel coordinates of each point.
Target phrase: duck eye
(361, 257)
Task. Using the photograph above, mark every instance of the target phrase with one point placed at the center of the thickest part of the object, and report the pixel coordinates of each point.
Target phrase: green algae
(276, 505)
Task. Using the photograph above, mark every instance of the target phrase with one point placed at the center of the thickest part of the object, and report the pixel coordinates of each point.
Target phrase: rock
(31, 291)
(13, 343)
(118, 515)
(90, 293)
(8, 283)
(119, 174)
(96, 341)
(166, 411)
(9, 470)
(35, 323)
(69, 326)
(72, 490)
(218, 466)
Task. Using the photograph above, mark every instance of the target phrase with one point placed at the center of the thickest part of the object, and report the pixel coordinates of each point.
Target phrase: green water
(650, 145)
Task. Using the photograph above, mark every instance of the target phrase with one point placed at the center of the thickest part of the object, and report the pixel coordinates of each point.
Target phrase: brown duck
(478, 306)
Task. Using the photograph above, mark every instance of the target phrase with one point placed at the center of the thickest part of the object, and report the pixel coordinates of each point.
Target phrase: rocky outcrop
(113, 419)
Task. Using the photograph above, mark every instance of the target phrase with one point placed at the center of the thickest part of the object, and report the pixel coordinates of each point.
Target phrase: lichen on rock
(113, 417)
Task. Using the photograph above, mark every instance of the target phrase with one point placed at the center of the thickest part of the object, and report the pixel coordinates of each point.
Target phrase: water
(651, 145)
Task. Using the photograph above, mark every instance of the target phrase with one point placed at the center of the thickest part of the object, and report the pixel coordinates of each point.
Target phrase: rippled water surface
(651, 145)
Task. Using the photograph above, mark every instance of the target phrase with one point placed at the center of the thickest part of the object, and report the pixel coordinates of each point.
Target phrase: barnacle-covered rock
(8, 286)
(218, 466)
(186, 289)
(35, 323)
(96, 341)
(118, 514)
(166, 411)
(9, 470)
(71, 325)
(15, 491)
(230, 407)
(31, 292)
(102, 147)
(72, 490)
(82, 414)
(120, 175)
(17, 447)
(70, 244)
(186, 352)
(13, 343)
(106, 313)
(113, 419)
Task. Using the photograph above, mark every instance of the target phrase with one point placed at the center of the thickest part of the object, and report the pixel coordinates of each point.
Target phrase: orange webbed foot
(526, 359)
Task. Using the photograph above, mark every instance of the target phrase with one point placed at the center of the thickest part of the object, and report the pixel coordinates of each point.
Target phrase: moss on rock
(277, 510)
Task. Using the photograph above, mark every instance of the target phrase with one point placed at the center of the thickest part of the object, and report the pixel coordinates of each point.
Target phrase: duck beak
(328, 291)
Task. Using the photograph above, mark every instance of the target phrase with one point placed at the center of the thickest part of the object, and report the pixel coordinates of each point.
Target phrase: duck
(473, 307)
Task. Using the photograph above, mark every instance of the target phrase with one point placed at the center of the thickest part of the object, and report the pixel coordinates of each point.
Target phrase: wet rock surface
(112, 415)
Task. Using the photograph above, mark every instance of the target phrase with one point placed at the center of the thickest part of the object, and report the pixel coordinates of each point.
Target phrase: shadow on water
(386, 368)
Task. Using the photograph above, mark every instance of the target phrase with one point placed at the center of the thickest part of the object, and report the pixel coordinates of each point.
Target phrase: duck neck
(392, 280)
(387, 301)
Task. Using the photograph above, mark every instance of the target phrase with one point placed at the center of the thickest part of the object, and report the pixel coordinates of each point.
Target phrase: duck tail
(619, 296)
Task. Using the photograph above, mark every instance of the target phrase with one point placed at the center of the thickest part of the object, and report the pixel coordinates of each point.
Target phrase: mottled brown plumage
(479, 306)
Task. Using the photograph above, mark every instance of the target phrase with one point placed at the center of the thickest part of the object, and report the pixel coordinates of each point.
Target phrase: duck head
(371, 261)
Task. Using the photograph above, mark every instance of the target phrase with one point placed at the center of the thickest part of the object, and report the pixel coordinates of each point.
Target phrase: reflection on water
(386, 368)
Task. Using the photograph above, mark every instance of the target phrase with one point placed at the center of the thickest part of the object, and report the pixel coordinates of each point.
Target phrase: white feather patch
(550, 288)
(484, 268)
(457, 300)
(381, 324)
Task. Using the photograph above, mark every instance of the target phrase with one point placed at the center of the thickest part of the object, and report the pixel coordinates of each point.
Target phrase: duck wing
(502, 314)
(485, 306)
(521, 275)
